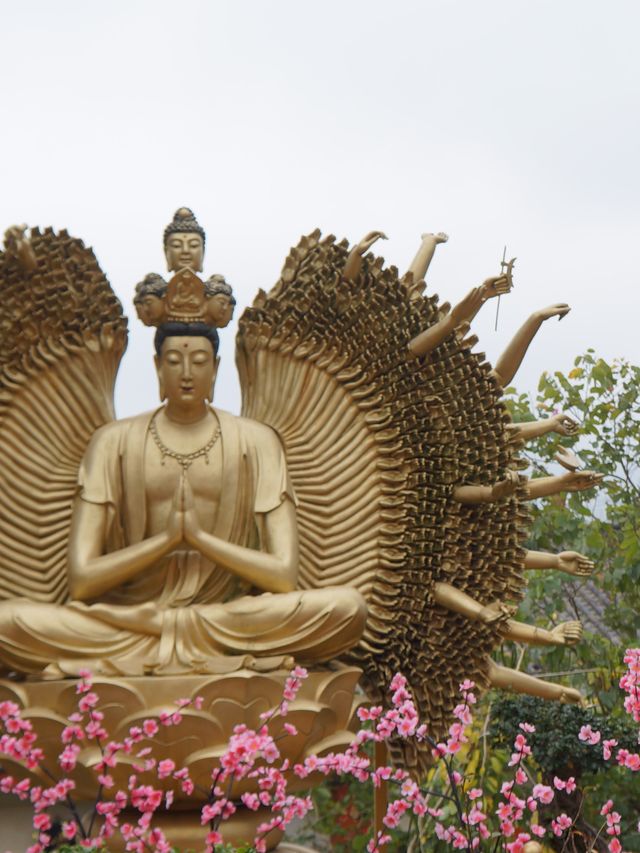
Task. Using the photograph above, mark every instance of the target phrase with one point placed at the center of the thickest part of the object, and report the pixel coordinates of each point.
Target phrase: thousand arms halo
(402, 457)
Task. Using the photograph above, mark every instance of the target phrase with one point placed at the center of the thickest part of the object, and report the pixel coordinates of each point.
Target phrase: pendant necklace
(183, 459)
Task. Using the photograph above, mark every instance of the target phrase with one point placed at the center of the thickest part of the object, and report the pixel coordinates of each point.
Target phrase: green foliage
(603, 524)
(555, 745)
(344, 810)
(557, 751)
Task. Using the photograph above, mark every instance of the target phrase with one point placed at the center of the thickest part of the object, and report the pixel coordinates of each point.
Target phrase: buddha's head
(184, 240)
(149, 299)
(220, 301)
(186, 362)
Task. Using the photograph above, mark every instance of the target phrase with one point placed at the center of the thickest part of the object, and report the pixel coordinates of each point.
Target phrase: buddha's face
(184, 250)
(219, 310)
(187, 370)
(150, 310)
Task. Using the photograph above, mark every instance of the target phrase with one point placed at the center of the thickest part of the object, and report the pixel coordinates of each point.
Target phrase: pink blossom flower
(150, 728)
(588, 735)
(543, 793)
(165, 768)
(561, 824)
(520, 776)
(69, 830)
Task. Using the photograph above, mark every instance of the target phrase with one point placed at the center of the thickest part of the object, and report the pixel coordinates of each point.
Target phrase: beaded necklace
(183, 459)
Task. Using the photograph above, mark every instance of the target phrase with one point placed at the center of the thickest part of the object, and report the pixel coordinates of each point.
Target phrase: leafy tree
(604, 524)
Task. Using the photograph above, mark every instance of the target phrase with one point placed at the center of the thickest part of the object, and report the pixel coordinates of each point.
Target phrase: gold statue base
(322, 714)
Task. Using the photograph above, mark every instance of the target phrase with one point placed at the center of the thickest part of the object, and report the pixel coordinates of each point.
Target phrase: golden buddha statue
(368, 504)
(182, 517)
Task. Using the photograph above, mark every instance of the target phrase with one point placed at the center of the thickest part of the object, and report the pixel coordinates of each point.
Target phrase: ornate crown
(185, 298)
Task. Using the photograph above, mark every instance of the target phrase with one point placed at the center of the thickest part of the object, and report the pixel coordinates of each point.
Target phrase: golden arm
(572, 481)
(424, 255)
(91, 571)
(564, 634)
(569, 562)
(460, 314)
(560, 423)
(511, 359)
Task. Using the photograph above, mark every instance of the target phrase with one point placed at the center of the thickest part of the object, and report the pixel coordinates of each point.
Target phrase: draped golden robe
(175, 616)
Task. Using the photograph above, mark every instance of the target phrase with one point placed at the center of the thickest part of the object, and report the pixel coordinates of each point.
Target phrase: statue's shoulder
(252, 432)
(114, 432)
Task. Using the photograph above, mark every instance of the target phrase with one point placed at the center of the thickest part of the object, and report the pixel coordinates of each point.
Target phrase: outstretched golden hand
(563, 424)
(353, 265)
(439, 237)
(578, 481)
(575, 564)
(567, 633)
(368, 240)
(495, 286)
(559, 310)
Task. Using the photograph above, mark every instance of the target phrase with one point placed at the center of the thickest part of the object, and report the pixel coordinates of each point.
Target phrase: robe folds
(180, 616)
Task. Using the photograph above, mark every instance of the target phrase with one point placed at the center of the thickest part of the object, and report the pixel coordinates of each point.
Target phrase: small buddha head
(220, 301)
(186, 362)
(184, 240)
(149, 299)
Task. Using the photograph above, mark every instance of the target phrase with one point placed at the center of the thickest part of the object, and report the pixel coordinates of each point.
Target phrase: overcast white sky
(501, 121)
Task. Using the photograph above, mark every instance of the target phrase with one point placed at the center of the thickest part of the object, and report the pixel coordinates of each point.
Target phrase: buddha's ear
(216, 364)
(163, 396)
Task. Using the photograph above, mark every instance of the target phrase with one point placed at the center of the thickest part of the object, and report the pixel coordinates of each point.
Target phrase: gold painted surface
(182, 517)
(374, 464)
(376, 443)
(62, 334)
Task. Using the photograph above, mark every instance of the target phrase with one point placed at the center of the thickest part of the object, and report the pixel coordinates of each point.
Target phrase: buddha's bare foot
(272, 662)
